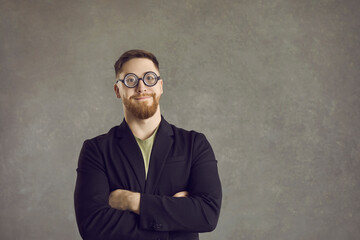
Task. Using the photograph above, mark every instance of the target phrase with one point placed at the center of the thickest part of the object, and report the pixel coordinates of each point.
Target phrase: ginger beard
(140, 109)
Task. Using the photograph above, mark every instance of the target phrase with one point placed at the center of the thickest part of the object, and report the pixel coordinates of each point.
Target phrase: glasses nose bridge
(138, 82)
(142, 79)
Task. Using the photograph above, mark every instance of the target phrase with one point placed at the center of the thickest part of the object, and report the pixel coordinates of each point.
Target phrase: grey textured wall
(274, 85)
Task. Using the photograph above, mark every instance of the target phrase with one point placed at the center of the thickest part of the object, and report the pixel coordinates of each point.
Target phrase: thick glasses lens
(150, 79)
(131, 80)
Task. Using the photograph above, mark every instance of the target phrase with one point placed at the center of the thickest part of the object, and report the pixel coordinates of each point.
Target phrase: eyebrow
(142, 75)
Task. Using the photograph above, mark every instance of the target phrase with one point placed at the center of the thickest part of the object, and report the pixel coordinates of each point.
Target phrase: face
(141, 101)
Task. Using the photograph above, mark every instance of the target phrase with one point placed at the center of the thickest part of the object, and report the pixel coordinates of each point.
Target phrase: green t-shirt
(146, 147)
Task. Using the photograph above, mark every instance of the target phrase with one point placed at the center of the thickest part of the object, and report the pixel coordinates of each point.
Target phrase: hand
(125, 200)
(181, 194)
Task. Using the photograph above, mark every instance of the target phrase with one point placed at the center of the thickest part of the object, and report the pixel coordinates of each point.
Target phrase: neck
(142, 128)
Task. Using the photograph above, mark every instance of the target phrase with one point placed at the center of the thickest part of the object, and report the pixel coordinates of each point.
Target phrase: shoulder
(187, 135)
(185, 132)
(194, 142)
(102, 139)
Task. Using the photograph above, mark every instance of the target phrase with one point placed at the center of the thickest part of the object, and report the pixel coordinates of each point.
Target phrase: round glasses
(131, 80)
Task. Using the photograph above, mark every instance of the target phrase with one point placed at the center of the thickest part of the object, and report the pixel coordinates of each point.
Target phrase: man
(145, 179)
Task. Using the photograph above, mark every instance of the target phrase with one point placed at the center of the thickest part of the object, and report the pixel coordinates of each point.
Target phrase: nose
(141, 87)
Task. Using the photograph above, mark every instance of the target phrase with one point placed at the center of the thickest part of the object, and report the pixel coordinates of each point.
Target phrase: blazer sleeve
(95, 218)
(197, 213)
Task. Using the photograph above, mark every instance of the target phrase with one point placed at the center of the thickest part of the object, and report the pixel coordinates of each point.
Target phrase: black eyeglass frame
(157, 78)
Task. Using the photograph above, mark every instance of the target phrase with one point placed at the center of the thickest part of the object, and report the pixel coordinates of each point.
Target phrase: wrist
(134, 200)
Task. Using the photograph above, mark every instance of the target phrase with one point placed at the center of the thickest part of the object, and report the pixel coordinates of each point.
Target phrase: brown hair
(135, 53)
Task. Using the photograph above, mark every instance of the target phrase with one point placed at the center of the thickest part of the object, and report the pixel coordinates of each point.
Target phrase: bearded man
(145, 179)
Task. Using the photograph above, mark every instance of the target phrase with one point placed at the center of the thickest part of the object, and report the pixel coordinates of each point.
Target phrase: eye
(130, 80)
(150, 78)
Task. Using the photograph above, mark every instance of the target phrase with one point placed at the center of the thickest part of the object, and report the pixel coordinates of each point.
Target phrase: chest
(168, 173)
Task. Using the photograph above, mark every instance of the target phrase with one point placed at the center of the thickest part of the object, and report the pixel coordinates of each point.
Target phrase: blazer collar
(162, 145)
(161, 149)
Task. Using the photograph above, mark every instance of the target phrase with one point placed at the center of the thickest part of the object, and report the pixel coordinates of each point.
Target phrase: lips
(142, 96)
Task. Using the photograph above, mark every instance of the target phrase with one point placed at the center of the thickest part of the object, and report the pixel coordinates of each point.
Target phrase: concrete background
(274, 85)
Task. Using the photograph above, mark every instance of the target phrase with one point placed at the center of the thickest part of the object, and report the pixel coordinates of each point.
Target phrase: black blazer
(180, 160)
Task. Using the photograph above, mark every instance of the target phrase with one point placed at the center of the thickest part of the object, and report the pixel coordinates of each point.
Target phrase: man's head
(141, 100)
(131, 54)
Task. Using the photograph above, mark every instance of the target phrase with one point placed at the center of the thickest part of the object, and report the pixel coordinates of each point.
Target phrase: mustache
(143, 95)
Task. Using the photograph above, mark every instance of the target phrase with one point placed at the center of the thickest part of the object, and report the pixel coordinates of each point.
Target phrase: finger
(181, 194)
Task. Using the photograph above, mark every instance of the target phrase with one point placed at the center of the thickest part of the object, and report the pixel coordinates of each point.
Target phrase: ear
(161, 86)
(117, 91)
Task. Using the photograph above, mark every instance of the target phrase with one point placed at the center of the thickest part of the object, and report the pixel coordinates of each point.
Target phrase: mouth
(142, 97)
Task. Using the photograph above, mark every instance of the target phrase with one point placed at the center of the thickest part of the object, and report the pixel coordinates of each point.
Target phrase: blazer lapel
(161, 149)
(132, 153)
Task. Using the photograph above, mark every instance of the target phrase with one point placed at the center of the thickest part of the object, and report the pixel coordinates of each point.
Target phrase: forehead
(139, 66)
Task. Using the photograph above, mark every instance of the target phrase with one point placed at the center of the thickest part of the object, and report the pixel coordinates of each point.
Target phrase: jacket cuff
(149, 222)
